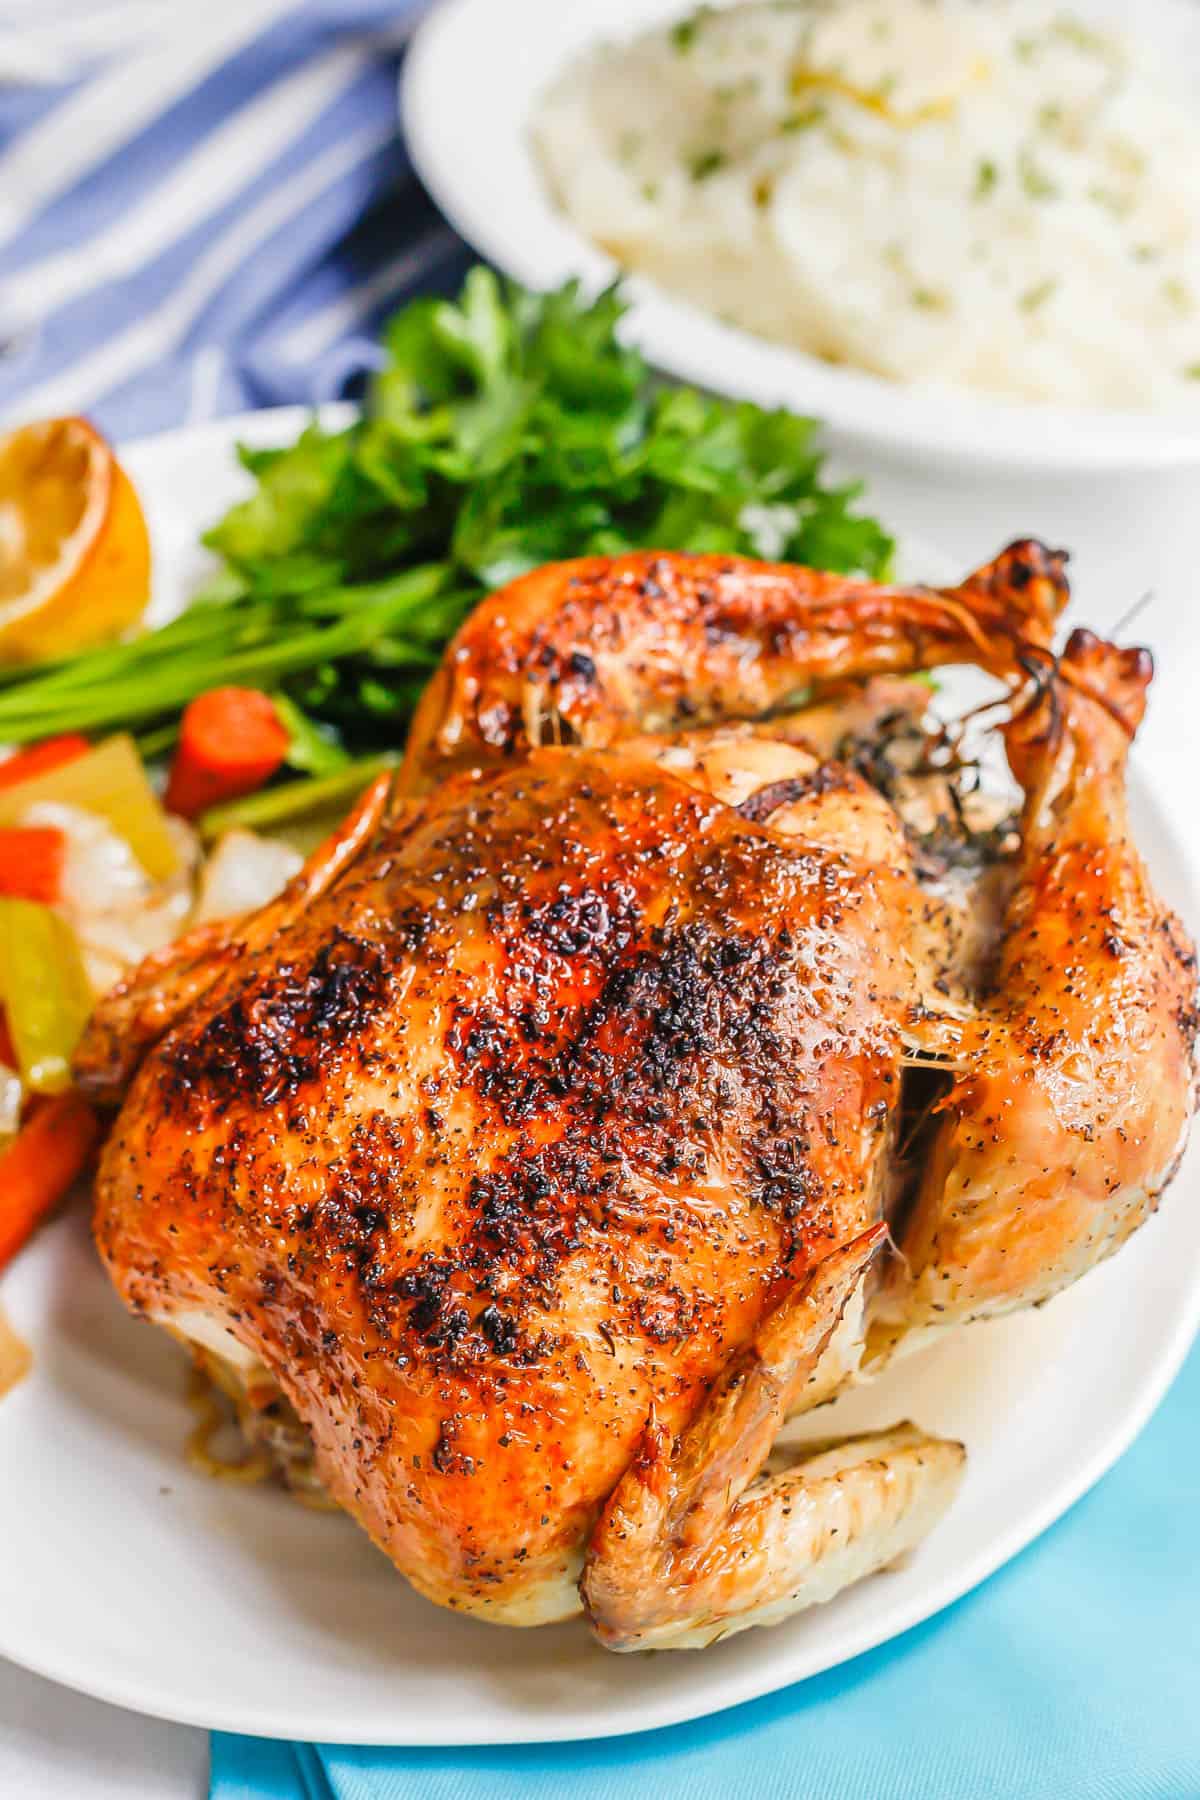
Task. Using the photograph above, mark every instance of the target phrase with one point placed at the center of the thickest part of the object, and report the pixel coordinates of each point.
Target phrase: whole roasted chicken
(672, 1044)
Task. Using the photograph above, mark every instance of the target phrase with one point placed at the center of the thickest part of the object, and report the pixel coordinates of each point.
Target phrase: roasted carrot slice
(38, 759)
(31, 862)
(48, 1153)
(231, 740)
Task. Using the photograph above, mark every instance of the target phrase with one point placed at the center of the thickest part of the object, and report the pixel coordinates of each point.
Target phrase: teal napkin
(1073, 1674)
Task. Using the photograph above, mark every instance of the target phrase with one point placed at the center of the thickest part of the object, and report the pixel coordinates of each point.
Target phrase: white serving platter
(133, 1579)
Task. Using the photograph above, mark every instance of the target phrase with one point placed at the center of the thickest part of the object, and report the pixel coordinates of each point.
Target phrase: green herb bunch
(505, 430)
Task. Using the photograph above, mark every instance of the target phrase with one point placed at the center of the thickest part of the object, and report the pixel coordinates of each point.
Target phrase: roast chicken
(673, 1042)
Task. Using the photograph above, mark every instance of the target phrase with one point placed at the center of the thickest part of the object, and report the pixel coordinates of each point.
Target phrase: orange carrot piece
(31, 862)
(39, 759)
(48, 1153)
(231, 740)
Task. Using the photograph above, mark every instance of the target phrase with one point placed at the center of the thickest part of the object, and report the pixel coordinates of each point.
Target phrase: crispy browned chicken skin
(541, 1141)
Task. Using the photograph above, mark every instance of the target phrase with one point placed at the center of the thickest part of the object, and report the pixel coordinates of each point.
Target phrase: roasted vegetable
(39, 759)
(31, 862)
(111, 783)
(231, 741)
(47, 1155)
(47, 996)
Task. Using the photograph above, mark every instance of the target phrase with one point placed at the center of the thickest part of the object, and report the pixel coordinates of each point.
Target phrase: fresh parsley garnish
(706, 163)
(1034, 179)
(986, 177)
(803, 119)
(1038, 295)
(684, 32)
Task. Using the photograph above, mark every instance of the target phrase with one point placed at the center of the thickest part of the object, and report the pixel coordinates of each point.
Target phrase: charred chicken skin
(630, 1078)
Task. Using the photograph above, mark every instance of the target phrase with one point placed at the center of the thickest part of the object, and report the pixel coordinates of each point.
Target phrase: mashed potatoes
(997, 196)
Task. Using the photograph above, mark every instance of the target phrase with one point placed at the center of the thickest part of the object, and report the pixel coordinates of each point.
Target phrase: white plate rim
(244, 1720)
(768, 1674)
(483, 179)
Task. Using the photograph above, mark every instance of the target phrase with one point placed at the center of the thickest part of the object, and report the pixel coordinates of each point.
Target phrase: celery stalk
(45, 990)
(275, 806)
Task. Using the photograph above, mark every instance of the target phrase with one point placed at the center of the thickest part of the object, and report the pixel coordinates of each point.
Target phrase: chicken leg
(1070, 1101)
(691, 1547)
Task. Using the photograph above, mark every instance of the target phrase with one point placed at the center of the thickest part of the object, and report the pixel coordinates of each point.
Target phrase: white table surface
(55, 1745)
(1129, 537)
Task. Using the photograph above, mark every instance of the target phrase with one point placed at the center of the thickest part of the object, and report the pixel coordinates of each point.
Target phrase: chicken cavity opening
(246, 1428)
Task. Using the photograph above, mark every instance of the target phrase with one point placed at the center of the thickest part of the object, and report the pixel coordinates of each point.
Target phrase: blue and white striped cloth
(203, 207)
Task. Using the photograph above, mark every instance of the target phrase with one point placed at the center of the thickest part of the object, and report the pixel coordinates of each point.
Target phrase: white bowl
(471, 78)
